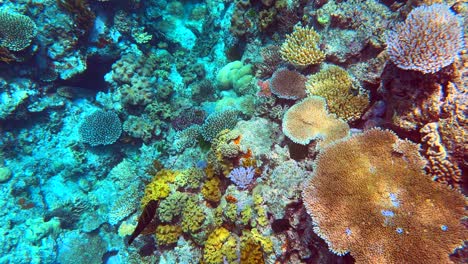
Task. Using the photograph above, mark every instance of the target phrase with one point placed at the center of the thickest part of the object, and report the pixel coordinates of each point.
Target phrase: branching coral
(334, 84)
(370, 196)
(309, 120)
(301, 47)
(429, 39)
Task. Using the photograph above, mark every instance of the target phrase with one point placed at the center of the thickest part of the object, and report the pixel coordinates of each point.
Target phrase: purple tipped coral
(429, 39)
(242, 176)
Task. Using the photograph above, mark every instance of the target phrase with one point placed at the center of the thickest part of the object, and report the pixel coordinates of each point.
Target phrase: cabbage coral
(370, 196)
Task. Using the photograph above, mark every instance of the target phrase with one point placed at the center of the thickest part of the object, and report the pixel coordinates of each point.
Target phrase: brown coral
(370, 196)
(288, 84)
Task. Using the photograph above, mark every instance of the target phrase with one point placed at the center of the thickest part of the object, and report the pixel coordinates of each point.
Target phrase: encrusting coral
(370, 196)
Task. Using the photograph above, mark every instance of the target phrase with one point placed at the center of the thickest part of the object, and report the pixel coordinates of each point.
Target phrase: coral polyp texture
(16, 30)
(309, 120)
(429, 39)
(288, 84)
(369, 196)
(101, 128)
(301, 47)
(335, 85)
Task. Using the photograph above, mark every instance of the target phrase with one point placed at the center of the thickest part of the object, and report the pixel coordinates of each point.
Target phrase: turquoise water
(233, 131)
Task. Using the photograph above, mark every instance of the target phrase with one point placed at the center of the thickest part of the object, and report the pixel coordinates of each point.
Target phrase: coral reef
(288, 84)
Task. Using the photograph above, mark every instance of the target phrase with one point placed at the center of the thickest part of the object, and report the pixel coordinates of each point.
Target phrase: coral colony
(231, 131)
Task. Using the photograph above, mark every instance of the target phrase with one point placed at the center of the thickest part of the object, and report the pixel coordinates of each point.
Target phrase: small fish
(145, 219)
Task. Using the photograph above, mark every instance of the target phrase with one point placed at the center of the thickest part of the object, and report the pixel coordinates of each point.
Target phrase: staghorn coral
(301, 47)
(429, 39)
(308, 120)
(334, 84)
(369, 196)
(16, 32)
(288, 84)
(101, 128)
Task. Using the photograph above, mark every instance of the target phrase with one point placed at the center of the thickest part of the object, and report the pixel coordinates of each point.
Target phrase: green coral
(172, 206)
(193, 216)
(211, 191)
(168, 234)
(190, 178)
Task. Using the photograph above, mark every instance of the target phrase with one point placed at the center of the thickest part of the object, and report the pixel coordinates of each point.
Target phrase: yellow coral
(251, 250)
(193, 216)
(301, 47)
(309, 120)
(334, 84)
(211, 191)
(212, 254)
(126, 229)
(168, 234)
(159, 188)
(370, 196)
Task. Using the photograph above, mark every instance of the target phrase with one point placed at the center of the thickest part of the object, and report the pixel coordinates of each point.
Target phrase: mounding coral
(429, 39)
(288, 84)
(369, 196)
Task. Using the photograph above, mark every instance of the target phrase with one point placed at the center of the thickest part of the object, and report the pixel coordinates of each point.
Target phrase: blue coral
(242, 176)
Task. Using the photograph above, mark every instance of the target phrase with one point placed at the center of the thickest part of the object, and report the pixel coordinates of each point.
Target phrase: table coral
(335, 85)
(309, 120)
(370, 196)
